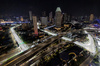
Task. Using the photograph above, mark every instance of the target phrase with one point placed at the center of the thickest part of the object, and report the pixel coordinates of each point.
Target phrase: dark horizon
(75, 8)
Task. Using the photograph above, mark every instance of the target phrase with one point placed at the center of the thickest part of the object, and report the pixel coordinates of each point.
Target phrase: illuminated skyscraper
(30, 15)
(44, 20)
(21, 18)
(50, 16)
(35, 25)
(69, 18)
(91, 17)
(58, 17)
(30, 18)
(64, 18)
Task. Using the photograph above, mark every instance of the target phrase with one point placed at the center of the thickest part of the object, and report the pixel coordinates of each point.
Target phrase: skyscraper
(44, 21)
(35, 25)
(64, 18)
(21, 18)
(30, 18)
(50, 16)
(69, 18)
(58, 17)
(30, 15)
(91, 17)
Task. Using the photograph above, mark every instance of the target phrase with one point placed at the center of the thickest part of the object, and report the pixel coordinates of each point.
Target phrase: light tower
(35, 25)
(58, 17)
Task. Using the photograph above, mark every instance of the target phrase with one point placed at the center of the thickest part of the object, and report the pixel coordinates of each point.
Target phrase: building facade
(58, 17)
(35, 25)
(30, 15)
(91, 17)
(44, 20)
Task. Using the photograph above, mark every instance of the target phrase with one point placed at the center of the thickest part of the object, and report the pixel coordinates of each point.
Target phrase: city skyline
(76, 8)
(49, 33)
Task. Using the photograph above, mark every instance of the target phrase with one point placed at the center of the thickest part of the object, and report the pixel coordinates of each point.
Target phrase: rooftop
(58, 9)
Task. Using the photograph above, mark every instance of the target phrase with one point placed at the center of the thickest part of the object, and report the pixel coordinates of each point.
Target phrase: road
(22, 45)
(10, 54)
(40, 55)
(90, 46)
(29, 53)
(96, 30)
(49, 27)
(50, 33)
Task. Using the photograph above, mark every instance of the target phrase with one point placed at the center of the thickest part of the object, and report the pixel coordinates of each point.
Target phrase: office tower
(86, 18)
(30, 18)
(30, 15)
(35, 25)
(69, 18)
(58, 17)
(44, 21)
(91, 17)
(64, 18)
(21, 18)
(50, 16)
(53, 22)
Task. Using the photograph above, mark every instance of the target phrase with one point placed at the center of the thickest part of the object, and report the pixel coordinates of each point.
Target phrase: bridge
(13, 22)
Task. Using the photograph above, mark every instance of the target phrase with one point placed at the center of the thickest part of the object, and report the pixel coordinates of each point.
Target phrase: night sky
(74, 7)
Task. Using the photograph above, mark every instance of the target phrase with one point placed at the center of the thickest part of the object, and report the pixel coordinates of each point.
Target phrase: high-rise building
(69, 18)
(91, 17)
(21, 18)
(30, 19)
(53, 22)
(50, 16)
(58, 17)
(86, 18)
(44, 20)
(35, 25)
(64, 18)
(30, 15)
